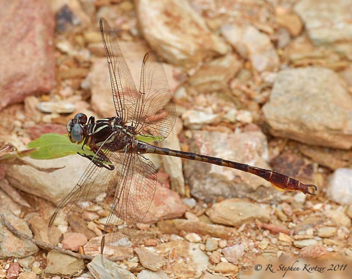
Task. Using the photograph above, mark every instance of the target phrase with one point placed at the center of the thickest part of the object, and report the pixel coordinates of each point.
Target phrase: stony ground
(267, 83)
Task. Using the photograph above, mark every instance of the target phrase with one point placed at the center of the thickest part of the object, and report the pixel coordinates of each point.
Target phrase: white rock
(339, 187)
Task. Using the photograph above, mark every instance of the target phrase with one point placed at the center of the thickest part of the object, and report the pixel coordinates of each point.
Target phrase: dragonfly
(119, 148)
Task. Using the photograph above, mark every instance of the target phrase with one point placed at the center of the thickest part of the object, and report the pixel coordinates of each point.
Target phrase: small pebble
(226, 268)
(151, 242)
(211, 244)
(215, 257)
(190, 202)
(299, 198)
(193, 237)
(222, 243)
(305, 243)
(263, 244)
(326, 231)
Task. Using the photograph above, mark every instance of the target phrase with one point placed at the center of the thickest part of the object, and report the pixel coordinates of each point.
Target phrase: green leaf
(149, 139)
(51, 146)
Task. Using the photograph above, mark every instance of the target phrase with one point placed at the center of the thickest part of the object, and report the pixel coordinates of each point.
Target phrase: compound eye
(69, 126)
(76, 135)
(80, 118)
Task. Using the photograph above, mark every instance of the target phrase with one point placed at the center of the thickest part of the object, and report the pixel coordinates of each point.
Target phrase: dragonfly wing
(155, 115)
(135, 189)
(93, 182)
(124, 92)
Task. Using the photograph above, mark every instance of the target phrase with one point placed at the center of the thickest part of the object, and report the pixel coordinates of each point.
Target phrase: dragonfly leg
(101, 161)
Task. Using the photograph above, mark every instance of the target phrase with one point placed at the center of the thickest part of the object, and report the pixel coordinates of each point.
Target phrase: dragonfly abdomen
(279, 181)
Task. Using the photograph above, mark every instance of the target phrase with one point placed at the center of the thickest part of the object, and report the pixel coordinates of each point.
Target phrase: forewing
(124, 91)
(155, 115)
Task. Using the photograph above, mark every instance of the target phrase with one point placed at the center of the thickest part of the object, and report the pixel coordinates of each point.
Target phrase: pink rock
(38, 130)
(13, 271)
(313, 251)
(26, 51)
(234, 253)
(167, 204)
(72, 241)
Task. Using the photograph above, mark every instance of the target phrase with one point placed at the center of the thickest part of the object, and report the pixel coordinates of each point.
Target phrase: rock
(13, 271)
(167, 27)
(197, 261)
(294, 166)
(7, 205)
(195, 118)
(62, 264)
(234, 253)
(27, 54)
(78, 225)
(287, 209)
(305, 242)
(28, 275)
(263, 244)
(313, 251)
(215, 257)
(326, 231)
(147, 274)
(56, 107)
(216, 74)
(117, 245)
(166, 205)
(326, 22)
(226, 268)
(244, 116)
(99, 78)
(42, 232)
(338, 217)
(178, 225)
(247, 147)
(235, 212)
(211, 244)
(26, 262)
(347, 75)
(38, 130)
(328, 157)
(291, 22)
(313, 98)
(12, 192)
(273, 228)
(72, 241)
(299, 198)
(308, 223)
(285, 239)
(102, 268)
(212, 276)
(339, 187)
(11, 246)
(193, 237)
(283, 38)
(150, 260)
(252, 44)
(173, 165)
(151, 242)
(70, 17)
(191, 202)
(53, 186)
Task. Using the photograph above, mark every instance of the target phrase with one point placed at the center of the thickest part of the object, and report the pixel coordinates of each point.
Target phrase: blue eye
(76, 135)
(68, 126)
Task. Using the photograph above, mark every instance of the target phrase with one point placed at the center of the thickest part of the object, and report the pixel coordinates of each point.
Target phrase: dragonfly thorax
(110, 132)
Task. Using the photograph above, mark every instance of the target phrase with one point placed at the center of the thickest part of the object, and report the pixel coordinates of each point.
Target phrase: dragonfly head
(75, 128)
